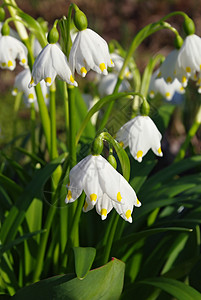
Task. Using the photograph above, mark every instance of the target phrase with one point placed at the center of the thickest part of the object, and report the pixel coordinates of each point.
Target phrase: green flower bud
(5, 30)
(189, 26)
(145, 108)
(80, 19)
(53, 36)
(112, 161)
(178, 42)
(2, 14)
(97, 146)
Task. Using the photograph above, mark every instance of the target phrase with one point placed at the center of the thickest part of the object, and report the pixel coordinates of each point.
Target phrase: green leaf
(105, 282)
(84, 258)
(4, 248)
(13, 188)
(32, 190)
(177, 289)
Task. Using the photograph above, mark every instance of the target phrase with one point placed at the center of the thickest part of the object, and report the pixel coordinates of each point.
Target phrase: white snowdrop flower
(107, 84)
(189, 58)
(104, 187)
(89, 51)
(169, 69)
(118, 63)
(21, 85)
(10, 50)
(140, 134)
(51, 62)
(167, 90)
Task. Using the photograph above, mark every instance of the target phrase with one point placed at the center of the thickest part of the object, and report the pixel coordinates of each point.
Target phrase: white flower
(49, 63)
(89, 51)
(107, 84)
(105, 188)
(167, 90)
(118, 63)
(140, 134)
(189, 58)
(21, 85)
(10, 50)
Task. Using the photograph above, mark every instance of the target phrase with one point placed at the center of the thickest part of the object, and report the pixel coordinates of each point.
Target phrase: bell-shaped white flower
(189, 58)
(10, 50)
(89, 51)
(169, 69)
(107, 84)
(51, 62)
(104, 187)
(21, 85)
(140, 134)
(167, 90)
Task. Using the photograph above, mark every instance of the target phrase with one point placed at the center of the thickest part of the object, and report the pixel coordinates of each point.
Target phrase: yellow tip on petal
(184, 79)
(188, 69)
(119, 197)
(102, 67)
(169, 79)
(32, 80)
(159, 150)
(128, 214)
(31, 96)
(72, 79)
(167, 95)
(93, 197)
(138, 202)
(151, 94)
(15, 91)
(103, 212)
(69, 196)
(48, 80)
(3, 64)
(121, 144)
(83, 71)
(10, 63)
(159, 74)
(85, 205)
(139, 154)
(23, 61)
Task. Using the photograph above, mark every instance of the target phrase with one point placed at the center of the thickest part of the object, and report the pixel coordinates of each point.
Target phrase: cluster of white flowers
(105, 188)
(179, 66)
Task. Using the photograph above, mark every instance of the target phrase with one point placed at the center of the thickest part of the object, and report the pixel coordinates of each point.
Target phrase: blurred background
(114, 19)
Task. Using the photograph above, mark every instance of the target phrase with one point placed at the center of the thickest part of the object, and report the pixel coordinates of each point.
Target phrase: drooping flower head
(21, 85)
(89, 51)
(105, 188)
(167, 90)
(49, 63)
(140, 134)
(10, 50)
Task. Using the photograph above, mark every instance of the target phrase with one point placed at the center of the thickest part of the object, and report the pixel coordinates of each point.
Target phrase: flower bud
(189, 26)
(97, 146)
(5, 30)
(112, 161)
(80, 19)
(145, 108)
(2, 14)
(53, 36)
(178, 42)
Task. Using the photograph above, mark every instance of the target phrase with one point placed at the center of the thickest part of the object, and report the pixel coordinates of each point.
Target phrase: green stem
(66, 112)
(191, 133)
(33, 127)
(72, 126)
(53, 150)
(108, 246)
(68, 41)
(73, 240)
